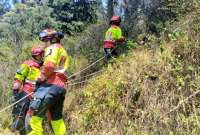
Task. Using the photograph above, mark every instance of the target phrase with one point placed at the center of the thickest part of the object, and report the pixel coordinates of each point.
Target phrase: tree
(72, 16)
(4, 7)
(110, 8)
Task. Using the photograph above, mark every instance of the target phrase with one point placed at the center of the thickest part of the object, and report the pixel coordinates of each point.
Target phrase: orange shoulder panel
(32, 63)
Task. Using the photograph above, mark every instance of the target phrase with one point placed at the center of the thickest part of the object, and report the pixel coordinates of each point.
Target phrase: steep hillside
(147, 91)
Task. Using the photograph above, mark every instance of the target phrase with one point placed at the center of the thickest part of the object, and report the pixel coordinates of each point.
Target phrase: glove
(121, 40)
(16, 85)
(41, 78)
(39, 81)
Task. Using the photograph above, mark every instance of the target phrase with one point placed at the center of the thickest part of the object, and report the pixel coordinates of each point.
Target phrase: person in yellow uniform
(113, 36)
(53, 79)
(23, 86)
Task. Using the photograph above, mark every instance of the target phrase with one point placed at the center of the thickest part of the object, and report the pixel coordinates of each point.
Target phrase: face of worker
(48, 42)
(115, 23)
(39, 58)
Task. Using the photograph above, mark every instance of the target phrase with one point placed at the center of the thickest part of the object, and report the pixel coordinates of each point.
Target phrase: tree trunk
(110, 9)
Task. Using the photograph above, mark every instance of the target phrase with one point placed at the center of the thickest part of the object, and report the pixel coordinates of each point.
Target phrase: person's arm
(63, 62)
(119, 37)
(67, 61)
(20, 77)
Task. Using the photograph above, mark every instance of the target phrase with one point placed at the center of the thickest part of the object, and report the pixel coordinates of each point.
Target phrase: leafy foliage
(73, 16)
(4, 7)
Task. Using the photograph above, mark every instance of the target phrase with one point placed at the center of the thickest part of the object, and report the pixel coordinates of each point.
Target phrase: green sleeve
(118, 33)
(22, 72)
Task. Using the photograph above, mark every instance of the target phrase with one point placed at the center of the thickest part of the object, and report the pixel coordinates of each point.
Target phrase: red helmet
(115, 19)
(37, 50)
(49, 34)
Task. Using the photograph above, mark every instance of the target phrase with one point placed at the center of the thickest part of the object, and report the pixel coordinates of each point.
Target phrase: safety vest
(28, 74)
(56, 63)
(113, 34)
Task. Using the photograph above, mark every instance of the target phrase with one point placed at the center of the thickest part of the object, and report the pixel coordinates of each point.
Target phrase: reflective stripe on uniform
(31, 82)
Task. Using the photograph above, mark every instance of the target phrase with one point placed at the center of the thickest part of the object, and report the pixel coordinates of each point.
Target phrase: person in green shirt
(23, 86)
(113, 37)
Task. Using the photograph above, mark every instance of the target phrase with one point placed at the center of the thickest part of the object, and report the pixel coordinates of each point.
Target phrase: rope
(179, 104)
(72, 84)
(15, 103)
(87, 67)
(86, 76)
(92, 63)
(78, 83)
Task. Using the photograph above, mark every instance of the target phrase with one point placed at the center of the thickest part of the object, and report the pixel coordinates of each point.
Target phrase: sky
(103, 1)
(10, 1)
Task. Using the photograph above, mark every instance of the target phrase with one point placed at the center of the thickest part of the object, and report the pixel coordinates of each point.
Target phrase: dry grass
(131, 96)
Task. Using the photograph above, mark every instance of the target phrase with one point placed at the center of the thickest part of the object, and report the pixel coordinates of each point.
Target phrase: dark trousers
(51, 98)
(19, 112)
(110, 52)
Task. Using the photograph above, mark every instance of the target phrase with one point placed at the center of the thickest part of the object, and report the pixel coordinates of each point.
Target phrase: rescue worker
(23, 86)
(51, 93)
(113, 37)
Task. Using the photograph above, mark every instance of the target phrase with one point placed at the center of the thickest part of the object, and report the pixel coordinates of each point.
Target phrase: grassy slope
(129, 97)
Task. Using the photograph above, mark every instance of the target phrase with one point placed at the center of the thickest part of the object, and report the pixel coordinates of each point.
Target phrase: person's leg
(57, 122)
(35, 125)
(24, 110)
(15, 113)
(22, 131)
(43, 102)
(37, 109)
(108, 54)
(20, 112)
(114, 52)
